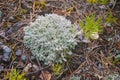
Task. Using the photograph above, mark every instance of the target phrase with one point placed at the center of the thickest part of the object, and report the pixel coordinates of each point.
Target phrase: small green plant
(15, 75)
(104, 1)
(110, 18)
(115, 60)
(39, 4)
(91, 27)
(98, 1)
(92, 1)
(22, 11)
(57, 68)
(50, 38)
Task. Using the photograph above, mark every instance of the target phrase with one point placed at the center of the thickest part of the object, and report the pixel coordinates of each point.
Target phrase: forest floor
(96, 60)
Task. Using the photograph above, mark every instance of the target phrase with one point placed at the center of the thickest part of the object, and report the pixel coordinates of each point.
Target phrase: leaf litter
(94, 60)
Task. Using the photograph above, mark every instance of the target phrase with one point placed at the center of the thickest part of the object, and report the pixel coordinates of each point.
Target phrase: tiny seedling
(91, 27)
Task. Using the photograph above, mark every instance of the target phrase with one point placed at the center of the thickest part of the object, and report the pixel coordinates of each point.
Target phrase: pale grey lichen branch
(50, 38)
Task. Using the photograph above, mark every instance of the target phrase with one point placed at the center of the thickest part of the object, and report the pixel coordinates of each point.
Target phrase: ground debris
(93, 60)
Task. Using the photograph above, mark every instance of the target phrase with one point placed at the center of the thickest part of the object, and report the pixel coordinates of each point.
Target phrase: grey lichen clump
(50, 38)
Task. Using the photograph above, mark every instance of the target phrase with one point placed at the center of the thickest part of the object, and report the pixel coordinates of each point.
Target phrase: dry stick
(107, 61)
(21, 41)
(95, 68)
(12, 63)
(90, 61)
(19, 5)
(5, 38)
(38, 70)
(33, 7)
(41, 70)
(114, 3)
(2, 23)
(33, 11)
(69, 67)
(77, 69)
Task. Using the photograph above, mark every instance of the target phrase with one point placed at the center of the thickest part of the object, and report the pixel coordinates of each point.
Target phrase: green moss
(98, 1)
(115, 60)
(15, 75)
(110, 18)
(57, 68)
(39, 4)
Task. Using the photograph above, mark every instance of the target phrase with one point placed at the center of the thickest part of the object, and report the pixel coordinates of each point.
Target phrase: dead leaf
(36, 68)
(46, 74)
(118, 22)
(26, 69)
(118, 45)
(99, 76)
(108, 30)
(59, 12)
(68, 11)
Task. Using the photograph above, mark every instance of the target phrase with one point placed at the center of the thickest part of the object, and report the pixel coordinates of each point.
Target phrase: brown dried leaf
(118, 45)
(46, 74)
(68, 11)
(26, 69)
(108, 30)
(59, 12)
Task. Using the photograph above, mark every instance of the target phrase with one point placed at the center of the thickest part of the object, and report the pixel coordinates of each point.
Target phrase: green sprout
(91, 27)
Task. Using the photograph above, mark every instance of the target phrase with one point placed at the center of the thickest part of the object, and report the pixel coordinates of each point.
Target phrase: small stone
(109, 39)
(6, 49)
(1, 58)
(82, 59)
(20, 65)
(2, 34)
(0, 15)
(100, 66)
(6, 57)
(15, 63)
(94, 35)
(12, 19)
(1, 68)
(18, 52)
(102, 7)
(32, 58)
(108, 24)
(26, 69)
(118, 56)
(36, 68)
(24, 57)
(6, 53)
(1, 43)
